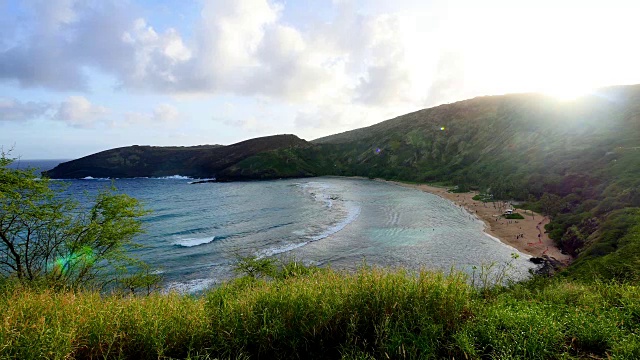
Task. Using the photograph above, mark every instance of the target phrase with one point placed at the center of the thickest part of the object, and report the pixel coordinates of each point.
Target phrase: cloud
(335, 118)
(250, 124)
(166, 113)
(36, 53)
(62, 38)
(75, 111)
(54, 14)
(384, 84)
(32, 66)
(238, 47)
(14, 110)
(79, 112)
(386, 79)
(227, 37)
(286, 67)
(449, 81)
(156, 57)
(336, 73)
(163, 114)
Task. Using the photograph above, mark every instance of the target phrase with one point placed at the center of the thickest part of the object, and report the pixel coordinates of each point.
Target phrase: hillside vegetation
(576, 161)
(155, 161)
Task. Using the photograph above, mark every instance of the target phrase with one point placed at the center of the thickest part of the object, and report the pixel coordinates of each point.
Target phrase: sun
(567, 93)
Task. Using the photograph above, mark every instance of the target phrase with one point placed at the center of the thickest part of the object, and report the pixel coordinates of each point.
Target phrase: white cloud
(155, 56)
(250, 124)
(386, 79)
(345, 67)
(330, 119)
(15, 110)
(449, 80)
(53, 14)
(79, 112)
(238, 46)
(223, 47)
(163, 114)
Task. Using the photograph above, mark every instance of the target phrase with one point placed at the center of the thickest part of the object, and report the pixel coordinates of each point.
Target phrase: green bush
(47, 238)
(483, 197)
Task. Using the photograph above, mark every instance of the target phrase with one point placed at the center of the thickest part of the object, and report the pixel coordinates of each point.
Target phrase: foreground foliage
(326, 314)
(49, 239)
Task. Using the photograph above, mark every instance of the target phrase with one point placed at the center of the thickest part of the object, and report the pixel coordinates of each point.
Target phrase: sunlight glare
(567, 92)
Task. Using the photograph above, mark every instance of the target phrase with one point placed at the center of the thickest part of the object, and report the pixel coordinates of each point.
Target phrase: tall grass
(555, 319)
(369, 314)
(53, 325)
(327, 313)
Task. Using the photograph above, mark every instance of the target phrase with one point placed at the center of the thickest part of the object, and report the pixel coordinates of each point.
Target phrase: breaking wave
(190, 242)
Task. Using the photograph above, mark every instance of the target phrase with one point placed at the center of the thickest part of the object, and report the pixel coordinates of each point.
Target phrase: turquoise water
(196, 231)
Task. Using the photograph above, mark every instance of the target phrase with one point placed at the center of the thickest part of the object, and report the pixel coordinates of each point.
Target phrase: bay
(195, 232)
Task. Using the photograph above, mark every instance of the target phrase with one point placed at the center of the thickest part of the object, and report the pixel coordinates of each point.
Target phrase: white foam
(354, 212)
(328, 202)
(189, 287)
(92, 178)
(201, 180)
(279, 250)
(318, 191)
(173, 177)
(190, 242)
(299, 232)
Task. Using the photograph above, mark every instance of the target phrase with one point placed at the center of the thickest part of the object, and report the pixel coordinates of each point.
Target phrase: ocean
(195, 232)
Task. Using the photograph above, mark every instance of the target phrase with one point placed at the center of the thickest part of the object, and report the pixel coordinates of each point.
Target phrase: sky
(78, 77)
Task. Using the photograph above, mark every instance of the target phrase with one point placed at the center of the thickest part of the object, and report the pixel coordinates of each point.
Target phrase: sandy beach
(527, 235)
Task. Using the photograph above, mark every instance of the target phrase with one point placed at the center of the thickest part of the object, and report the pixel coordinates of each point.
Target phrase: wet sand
(527, 235)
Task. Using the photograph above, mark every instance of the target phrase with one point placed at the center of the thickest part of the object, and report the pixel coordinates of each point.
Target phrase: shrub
(47, 238)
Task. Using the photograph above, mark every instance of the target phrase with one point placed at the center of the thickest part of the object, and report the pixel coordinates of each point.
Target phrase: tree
(551, 204)
(47, 236)
(255, 267)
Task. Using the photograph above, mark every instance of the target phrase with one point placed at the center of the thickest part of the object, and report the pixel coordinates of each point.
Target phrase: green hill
(154, 161)
(576, 161)
(501, 139)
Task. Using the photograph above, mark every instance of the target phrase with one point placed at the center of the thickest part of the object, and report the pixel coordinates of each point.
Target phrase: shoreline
(526, 235)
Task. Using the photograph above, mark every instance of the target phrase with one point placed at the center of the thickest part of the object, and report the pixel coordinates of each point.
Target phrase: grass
(46, 324)
(514, 216)
(370, 314)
